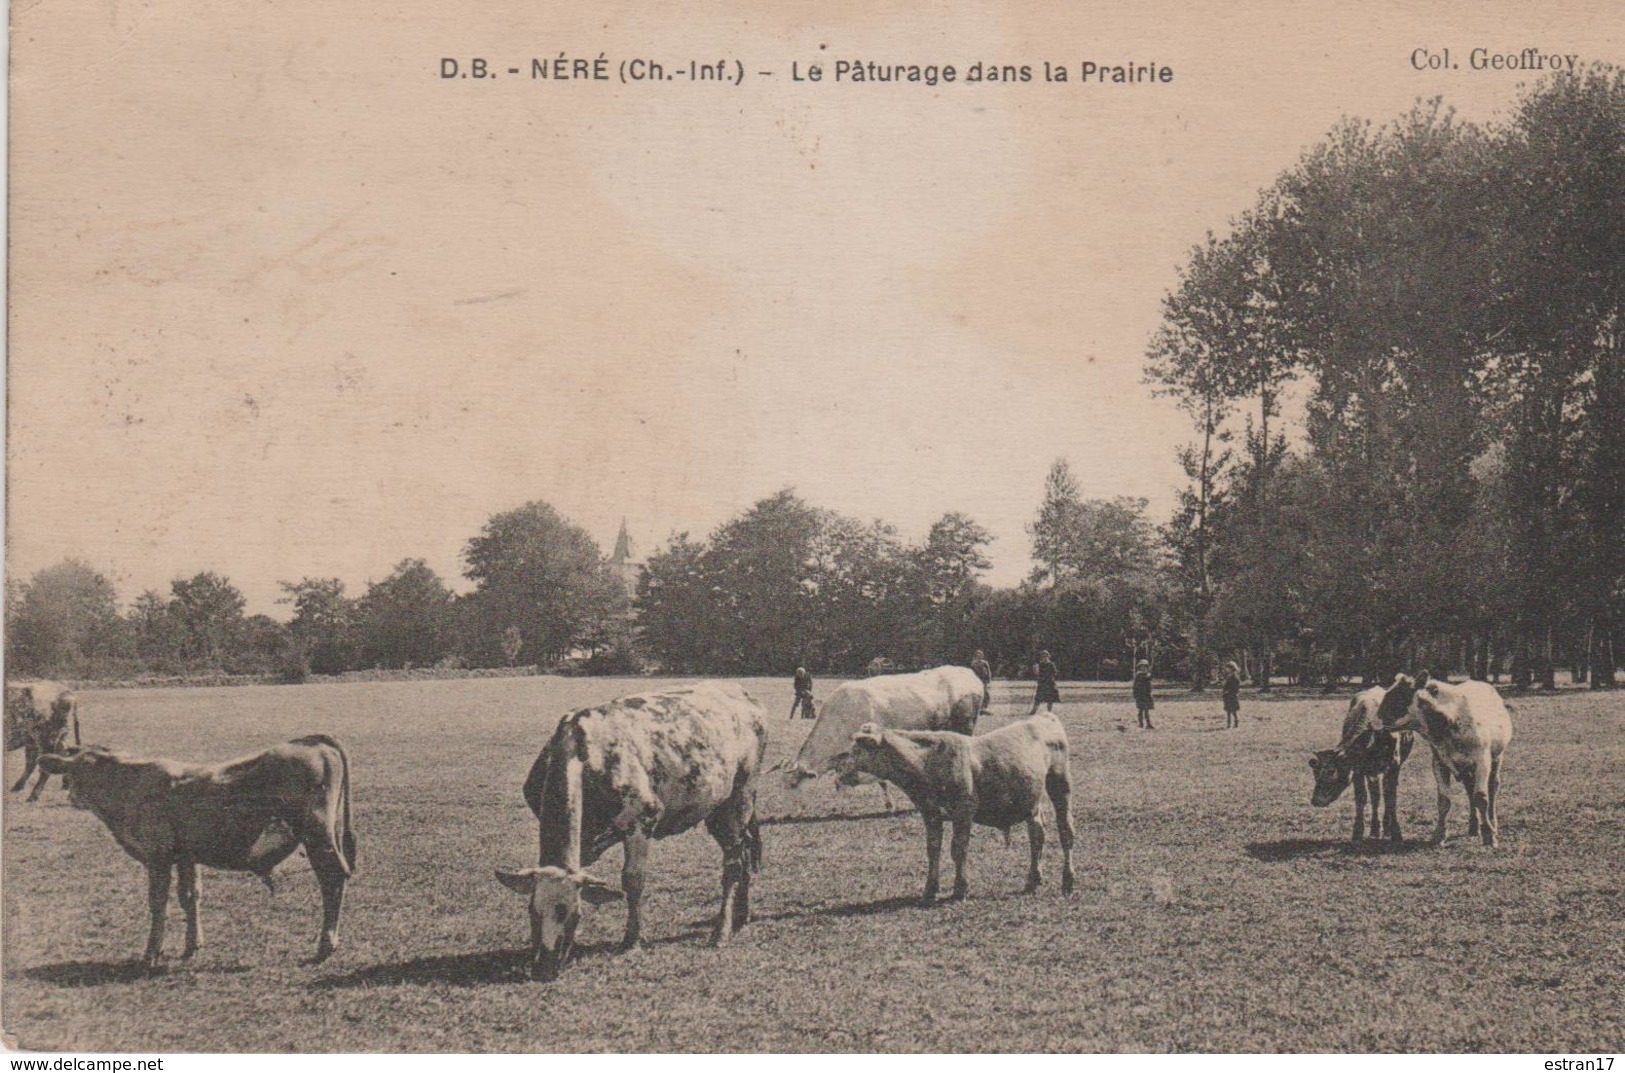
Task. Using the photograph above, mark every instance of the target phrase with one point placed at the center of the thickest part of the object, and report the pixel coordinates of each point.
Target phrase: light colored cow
(996, 780)
(636, 769)
(37, 716)
(1370, 757)
(1468, 728)
(246, 815)
(944, 698)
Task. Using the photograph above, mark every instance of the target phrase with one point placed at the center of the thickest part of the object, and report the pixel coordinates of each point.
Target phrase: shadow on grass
(1296, 849)
(479, 968)
(102, 973)
(775, 821)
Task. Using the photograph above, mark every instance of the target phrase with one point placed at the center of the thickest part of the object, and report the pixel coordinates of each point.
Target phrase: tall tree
(207, 611)
(64, 617)
(535, 570)
(405, 618)
(323, 624)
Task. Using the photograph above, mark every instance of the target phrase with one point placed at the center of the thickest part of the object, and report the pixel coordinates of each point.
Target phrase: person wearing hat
(1232, 695)
(1142, 693)
(979, 666)
(804, 695)
(1044, 671)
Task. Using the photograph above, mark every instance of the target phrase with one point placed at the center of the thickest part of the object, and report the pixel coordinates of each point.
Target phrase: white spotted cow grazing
(37, 716)
(996, 780)
(246, 815)
(640, 768)
(1370, 757)
(1468, 727)
(944, 698)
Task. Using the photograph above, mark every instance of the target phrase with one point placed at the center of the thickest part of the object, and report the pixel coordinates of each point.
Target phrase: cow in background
(246, 815)
(37, 717)
(1370, 757)
(1468, 727)
(944, 698)
(631, 771)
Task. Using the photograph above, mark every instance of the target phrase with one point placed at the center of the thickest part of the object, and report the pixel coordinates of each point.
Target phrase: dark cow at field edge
(1468, 728)
(245, 815)
(37, 717)
(996, 780)
(1370, 757)
(636, 769)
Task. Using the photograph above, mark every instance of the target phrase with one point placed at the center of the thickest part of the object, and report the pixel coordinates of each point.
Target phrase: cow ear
(595, 891)
(1421, 679)
(520, 882)
(1314, 763)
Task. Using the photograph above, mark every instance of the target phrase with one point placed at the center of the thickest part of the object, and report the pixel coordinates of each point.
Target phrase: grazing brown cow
(1468, 728)
(37, 715)
(636, 769)
(1370, 757)
(246, 815)
(996, 780)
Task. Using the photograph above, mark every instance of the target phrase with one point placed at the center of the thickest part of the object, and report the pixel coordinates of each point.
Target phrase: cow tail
(76, 740)
(340, 831)
(352, 859)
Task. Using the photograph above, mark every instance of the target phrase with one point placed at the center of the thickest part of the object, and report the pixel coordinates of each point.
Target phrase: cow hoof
(1031, 887)
(958, 895)
(1067, 884)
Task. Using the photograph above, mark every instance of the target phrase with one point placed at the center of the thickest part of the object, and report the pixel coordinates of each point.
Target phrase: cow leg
(1481, 799)
(960, 848)
(1495, 790)
(1060, 792)
(190, 891)
(1035, 846)
(1373, 784)
(329, 869)
(1469, 780)
(1441, 783)
(1390, 803)
(726, 827)
(157, 903)
(44, 777)
(1359, 807)
(933, 854)
(30, 758)
(636, 845)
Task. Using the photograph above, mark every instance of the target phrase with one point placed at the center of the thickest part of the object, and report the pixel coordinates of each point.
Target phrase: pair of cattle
(1467, 728)
(645, 767)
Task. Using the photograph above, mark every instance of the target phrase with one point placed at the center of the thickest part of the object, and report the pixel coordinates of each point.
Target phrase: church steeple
(623, 546)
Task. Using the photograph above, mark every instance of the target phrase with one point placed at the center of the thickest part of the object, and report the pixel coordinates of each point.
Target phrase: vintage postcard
(529, 526)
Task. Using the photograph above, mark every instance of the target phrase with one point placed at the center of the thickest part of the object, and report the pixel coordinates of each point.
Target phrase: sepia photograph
(868, 528)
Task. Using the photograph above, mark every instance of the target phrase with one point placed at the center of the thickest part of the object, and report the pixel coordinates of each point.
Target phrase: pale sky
(286, 303)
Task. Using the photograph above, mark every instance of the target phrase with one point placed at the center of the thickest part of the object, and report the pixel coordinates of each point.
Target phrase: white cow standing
(943, 698)
(1468, 727)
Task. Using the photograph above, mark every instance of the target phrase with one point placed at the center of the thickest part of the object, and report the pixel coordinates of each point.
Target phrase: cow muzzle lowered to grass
(554, 898)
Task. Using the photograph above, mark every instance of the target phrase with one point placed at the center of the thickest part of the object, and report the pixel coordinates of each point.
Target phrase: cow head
(1411, 704)
(869, 753)
(90, 773)
(1332, 774)
(554, 898)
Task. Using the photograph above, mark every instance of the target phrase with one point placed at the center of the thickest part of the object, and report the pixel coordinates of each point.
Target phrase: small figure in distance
(1142, 693)
(985, 672)
(804, 696)
(1232, 695)
(1047, 693)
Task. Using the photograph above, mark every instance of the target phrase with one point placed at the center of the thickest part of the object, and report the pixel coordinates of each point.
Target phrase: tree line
(1441, 300)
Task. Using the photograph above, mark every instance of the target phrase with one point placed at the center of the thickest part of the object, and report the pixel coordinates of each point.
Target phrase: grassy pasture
(1217, 910)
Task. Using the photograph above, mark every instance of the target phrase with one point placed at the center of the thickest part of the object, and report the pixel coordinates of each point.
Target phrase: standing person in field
(804, 696)
(1232, 695)
(1048, 693)
(1142, 693)
(985, 672)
